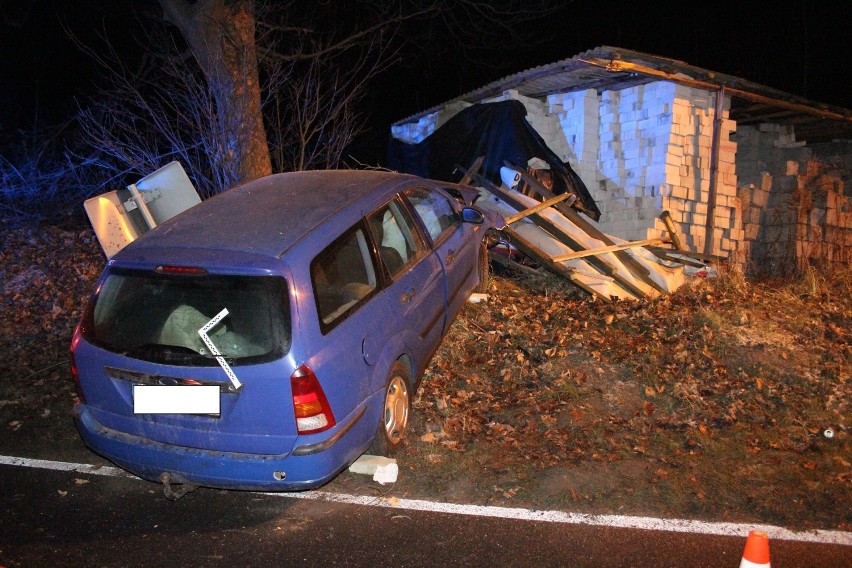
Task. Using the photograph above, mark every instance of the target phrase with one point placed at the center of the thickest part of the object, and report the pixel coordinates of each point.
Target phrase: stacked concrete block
(579, 121)
(688, 163)
(795, 211)
(654, 155)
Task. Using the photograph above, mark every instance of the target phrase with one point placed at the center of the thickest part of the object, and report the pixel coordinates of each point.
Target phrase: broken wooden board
(472, 171)
(548, 233)
(611, 248)
(636, 268)
(543, 205)
(602, 275)
(626, 282)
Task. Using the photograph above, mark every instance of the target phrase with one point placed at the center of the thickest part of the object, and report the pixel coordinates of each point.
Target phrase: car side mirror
(471, 215)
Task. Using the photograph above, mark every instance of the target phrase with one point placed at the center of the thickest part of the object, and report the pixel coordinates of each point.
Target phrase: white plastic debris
(477, 297)
(828, 433)
(384, 470)
(386, 473)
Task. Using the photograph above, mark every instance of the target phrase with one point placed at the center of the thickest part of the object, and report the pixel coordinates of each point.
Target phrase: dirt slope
(726, 401)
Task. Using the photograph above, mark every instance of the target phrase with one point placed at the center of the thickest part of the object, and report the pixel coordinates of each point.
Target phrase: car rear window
(343, 277)
(156, 317)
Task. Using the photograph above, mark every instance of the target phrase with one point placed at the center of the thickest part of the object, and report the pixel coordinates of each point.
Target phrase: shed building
(749, 173)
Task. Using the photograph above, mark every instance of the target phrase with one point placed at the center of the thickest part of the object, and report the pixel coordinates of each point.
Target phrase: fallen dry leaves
(696, 382)
(713, 401)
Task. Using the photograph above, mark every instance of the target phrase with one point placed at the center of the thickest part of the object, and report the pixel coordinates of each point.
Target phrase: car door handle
(451, 255)
(407, 297)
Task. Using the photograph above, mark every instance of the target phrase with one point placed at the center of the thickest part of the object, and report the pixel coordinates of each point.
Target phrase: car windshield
(156, 317)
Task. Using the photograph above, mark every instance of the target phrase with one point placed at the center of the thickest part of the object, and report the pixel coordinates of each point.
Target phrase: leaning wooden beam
(536, 208)
(537, 254)
(666, 217)
(612, 248)
(635, 268)
(599, 264)
(471, 171)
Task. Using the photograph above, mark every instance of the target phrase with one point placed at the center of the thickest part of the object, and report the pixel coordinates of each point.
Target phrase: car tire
(396, 411)
(484, 270)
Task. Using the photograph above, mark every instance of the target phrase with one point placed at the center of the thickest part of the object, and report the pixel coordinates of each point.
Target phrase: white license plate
(176, 399)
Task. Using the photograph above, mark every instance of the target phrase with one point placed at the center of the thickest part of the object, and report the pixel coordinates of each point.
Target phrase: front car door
(415, 283)
(454, 242)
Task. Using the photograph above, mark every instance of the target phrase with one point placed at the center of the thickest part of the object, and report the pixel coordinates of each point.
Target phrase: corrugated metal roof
(613, 68)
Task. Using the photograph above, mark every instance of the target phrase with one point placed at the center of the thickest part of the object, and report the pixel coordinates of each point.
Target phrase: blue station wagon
(308, 303)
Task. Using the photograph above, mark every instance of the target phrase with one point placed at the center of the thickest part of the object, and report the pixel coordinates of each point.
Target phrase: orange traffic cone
(756, 553)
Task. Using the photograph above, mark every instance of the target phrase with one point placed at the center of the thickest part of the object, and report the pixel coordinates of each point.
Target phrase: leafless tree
(162, 111)
(246, 87)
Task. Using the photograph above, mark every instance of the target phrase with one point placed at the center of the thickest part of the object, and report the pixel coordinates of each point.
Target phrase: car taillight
(74, 374)
(313, 413)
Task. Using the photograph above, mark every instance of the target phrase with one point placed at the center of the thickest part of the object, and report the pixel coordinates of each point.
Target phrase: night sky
(800, 46)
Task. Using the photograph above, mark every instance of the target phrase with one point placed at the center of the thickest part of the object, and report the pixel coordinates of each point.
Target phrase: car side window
(435, 211)
(396, 237)
(343, 275)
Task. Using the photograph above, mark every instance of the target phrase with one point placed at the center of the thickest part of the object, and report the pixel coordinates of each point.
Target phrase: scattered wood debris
(555, 235)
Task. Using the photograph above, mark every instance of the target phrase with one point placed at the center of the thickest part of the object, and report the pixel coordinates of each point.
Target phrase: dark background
(801, 47)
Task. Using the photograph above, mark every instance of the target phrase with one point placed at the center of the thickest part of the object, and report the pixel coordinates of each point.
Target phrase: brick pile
(795, 212)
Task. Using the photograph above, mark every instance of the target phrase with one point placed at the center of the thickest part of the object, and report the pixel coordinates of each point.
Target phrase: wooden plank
(662, 253)
(536, 208)
(537, 254)
(611, 248)
(696, 255)
(507, 262)
(471, 171)
(635, 267)
(557, 233)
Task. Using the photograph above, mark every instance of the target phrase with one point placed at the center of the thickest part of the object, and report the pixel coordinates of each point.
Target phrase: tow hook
(174, 491)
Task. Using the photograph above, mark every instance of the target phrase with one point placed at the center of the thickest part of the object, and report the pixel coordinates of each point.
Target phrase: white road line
(617, 521)
(64, 466)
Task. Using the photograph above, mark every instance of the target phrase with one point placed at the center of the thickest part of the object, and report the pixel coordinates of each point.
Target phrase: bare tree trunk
(221, 36)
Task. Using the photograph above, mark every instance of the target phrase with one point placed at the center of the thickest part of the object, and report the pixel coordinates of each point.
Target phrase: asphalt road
(62, 518)
(66, 518)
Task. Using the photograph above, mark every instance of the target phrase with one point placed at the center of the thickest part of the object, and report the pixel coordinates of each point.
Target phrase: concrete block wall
(633, 164)
(646, 149)
(686, 187)
(577, 141)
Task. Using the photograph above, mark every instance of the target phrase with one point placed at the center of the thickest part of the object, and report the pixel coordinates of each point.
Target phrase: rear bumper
(229, 470)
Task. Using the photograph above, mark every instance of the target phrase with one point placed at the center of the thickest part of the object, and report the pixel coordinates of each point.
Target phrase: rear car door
(352, 317)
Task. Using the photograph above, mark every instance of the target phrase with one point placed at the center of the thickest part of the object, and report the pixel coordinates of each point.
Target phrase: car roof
(268, 215)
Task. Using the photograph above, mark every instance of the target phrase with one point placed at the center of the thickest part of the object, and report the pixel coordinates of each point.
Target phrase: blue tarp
(499, 132)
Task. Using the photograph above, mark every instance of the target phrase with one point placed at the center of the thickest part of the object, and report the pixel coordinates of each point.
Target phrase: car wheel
(396, 407)
(484, 270)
